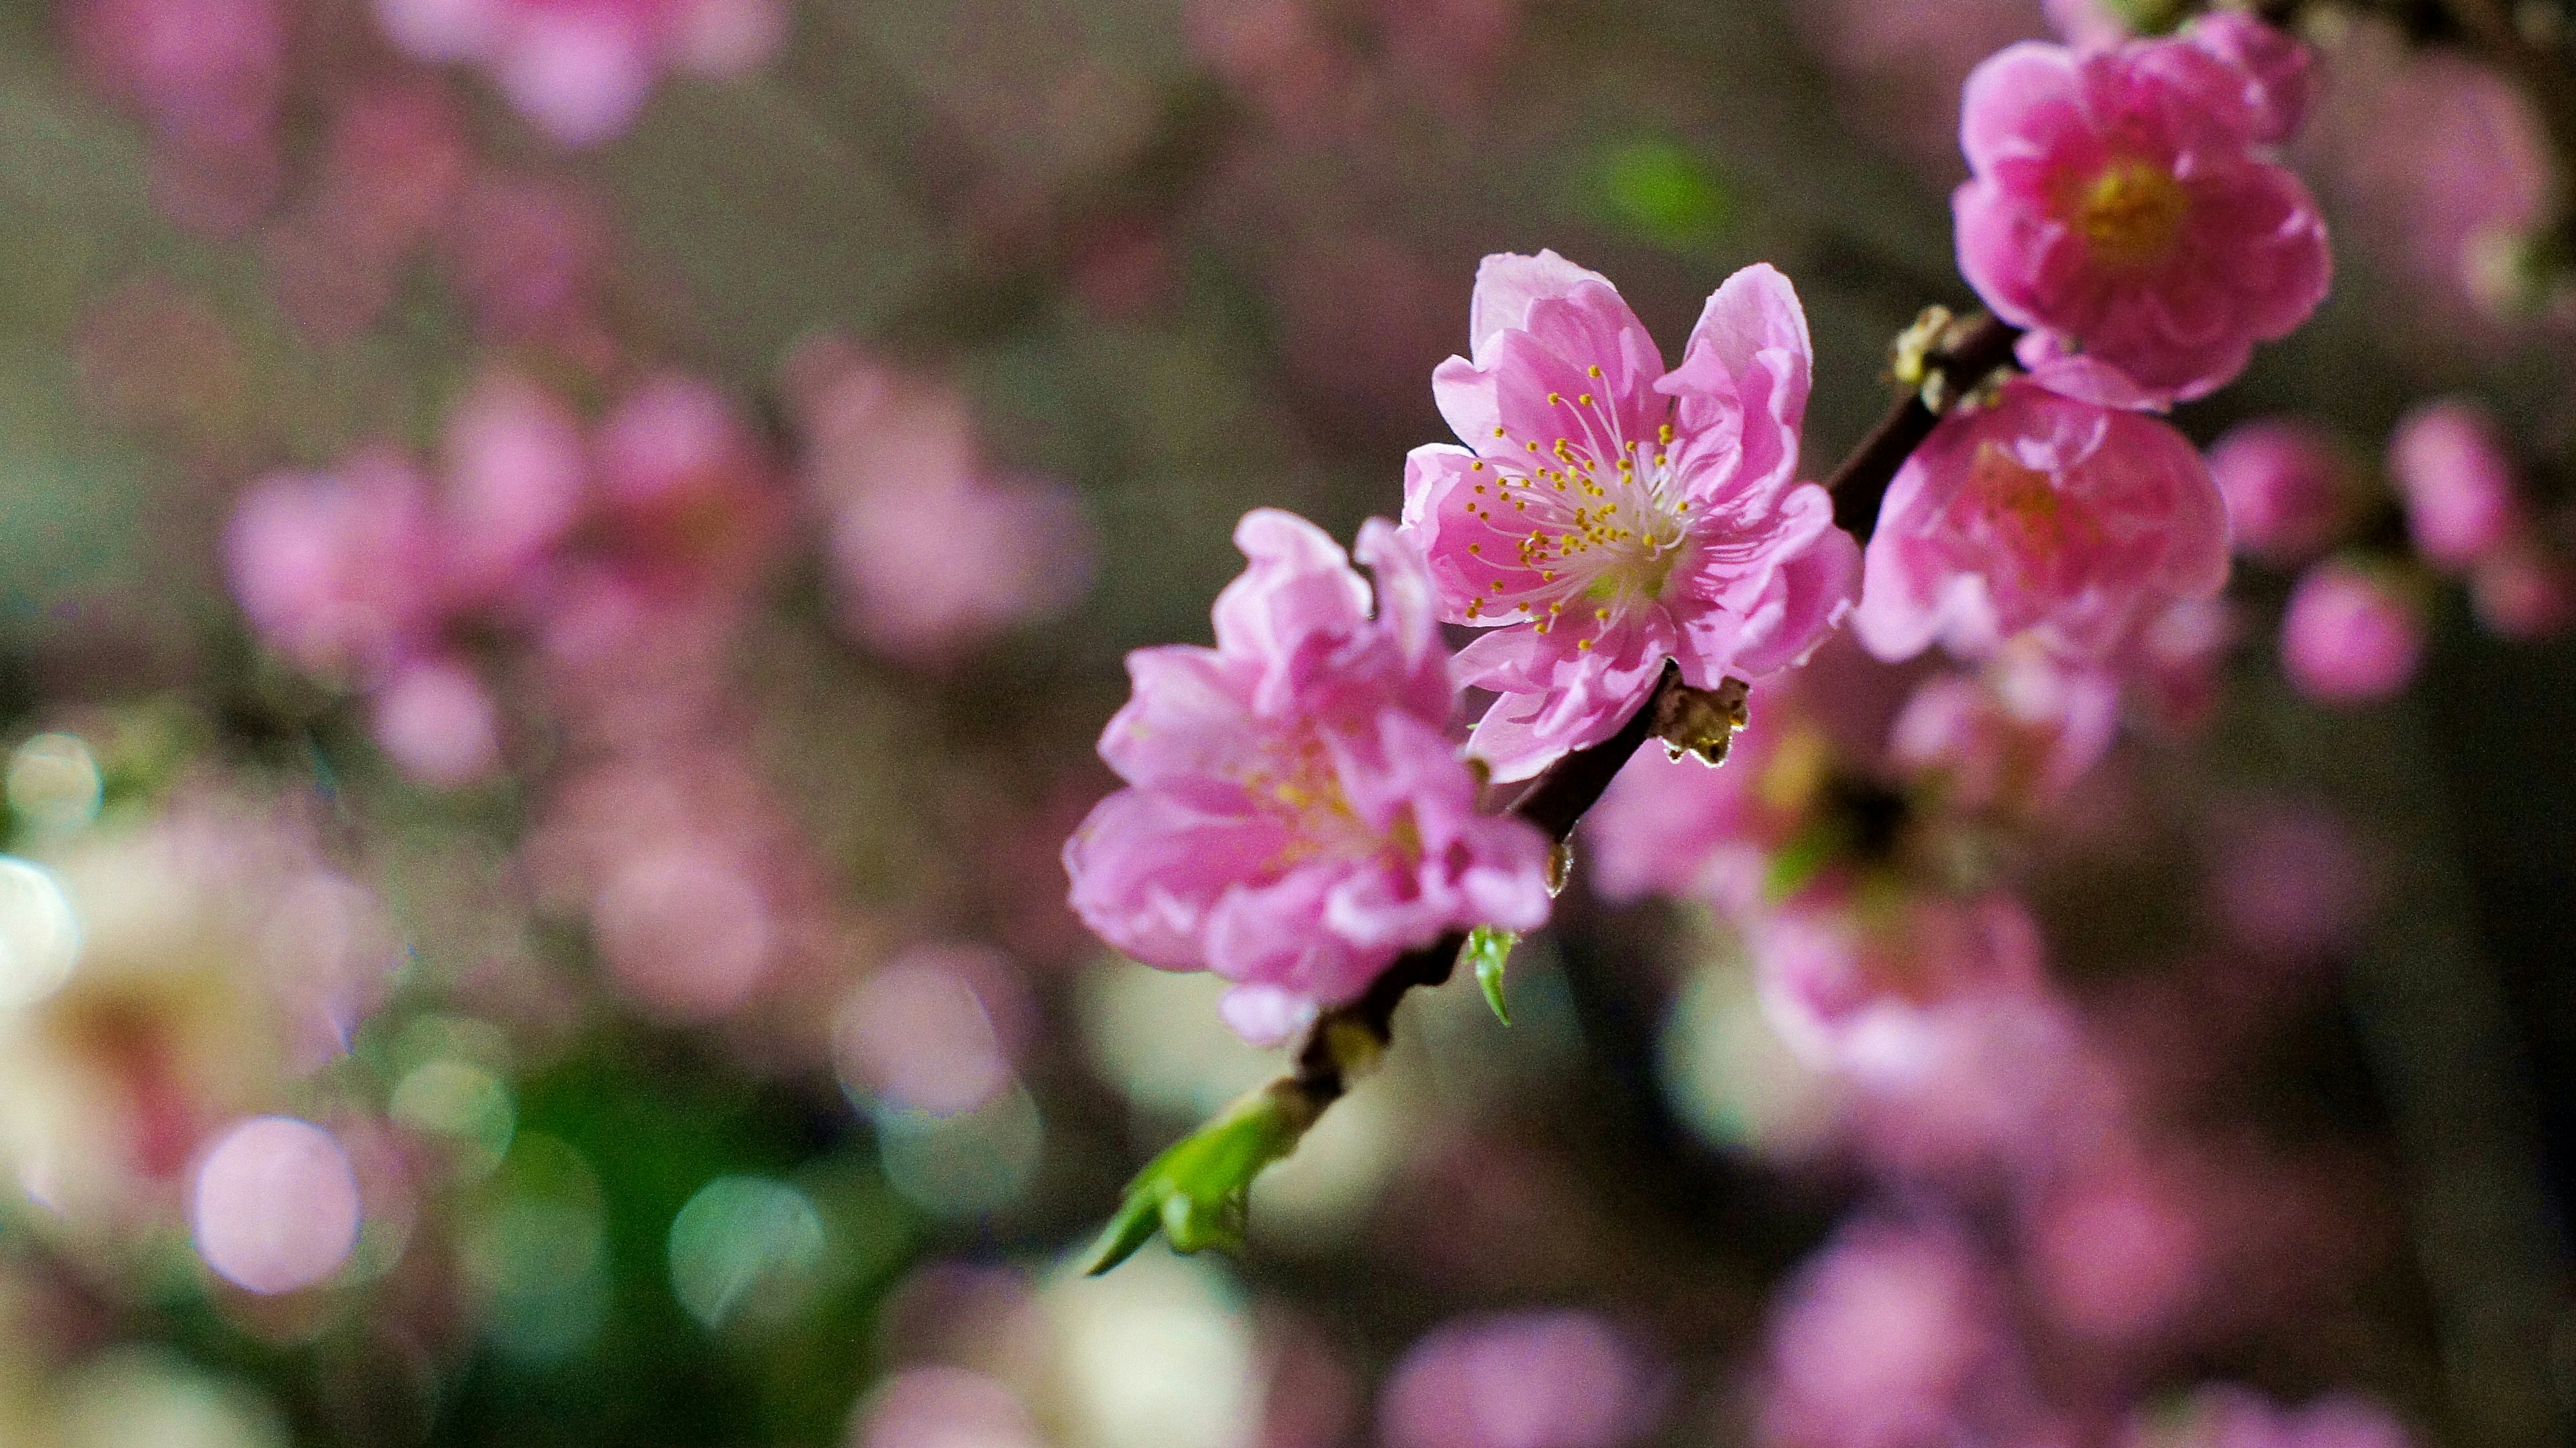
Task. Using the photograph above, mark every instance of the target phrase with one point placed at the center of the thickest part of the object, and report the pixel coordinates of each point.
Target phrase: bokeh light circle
(276, 1205)
(54, 783)
(745, 1247)
(39, 933)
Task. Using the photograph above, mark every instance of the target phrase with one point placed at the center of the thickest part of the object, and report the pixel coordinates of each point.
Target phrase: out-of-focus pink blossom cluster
(2354, 628)
(931, 549)
(582, 69)
(376, 576)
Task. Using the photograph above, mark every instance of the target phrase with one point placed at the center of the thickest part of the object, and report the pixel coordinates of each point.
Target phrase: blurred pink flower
(2455, 477)
(2285, 485)
(2014, 738)
(208, 79)
(1607, 515)
(892, 461)
(1527, 1380)
(337, 570)
(1295, 816)
(2524, 589)
(516, 474)
(922, 1031)
(2443, 169)
(437, 722)
(2116, 1246)
(1994, 1086)
(581, 69)
(2350, 634)
(1846, 973)
(936, 1406)
(276, 1205)
(2224, 1415)
(1891, 1337)
(2040, 513)
(2122, 198)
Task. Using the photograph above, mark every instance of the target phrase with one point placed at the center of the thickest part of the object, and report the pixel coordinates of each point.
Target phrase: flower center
(1298, 785)
(2036, 533)
(2130, 212)
(1594, 516)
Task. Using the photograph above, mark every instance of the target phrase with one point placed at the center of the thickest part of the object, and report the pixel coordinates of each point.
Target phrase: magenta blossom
(2284, 484)
(2455, 477)
(1608, 515)
(1296, 818)
(2045, 514)
(2350, 635)
(2123, 199)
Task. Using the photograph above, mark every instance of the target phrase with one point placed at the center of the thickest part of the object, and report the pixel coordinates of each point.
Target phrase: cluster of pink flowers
(1298, 816)
(2355, 624)
(373, 577)
(1295, 816)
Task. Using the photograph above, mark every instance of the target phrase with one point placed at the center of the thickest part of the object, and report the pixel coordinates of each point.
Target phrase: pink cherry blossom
(2284, 482)
(1295, 816)
(1607, 515)
(2455, 476)
(2122, 198)
(1847, 972)
(517, 476)
(1529, 1380)
(685, 496)
(581, 69)
(337, 570)
(2117, 1246)
(2350, 635)
(2039, 514)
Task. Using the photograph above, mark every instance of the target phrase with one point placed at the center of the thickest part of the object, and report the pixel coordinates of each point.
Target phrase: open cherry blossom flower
(1296, 818)
(2124, 199)
(1607, 515)
(2041, 514)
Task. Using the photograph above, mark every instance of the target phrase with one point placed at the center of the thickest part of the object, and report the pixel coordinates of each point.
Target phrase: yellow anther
(1583, 644)
(1554, 398)
(1584, 399)
(1594, 369)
